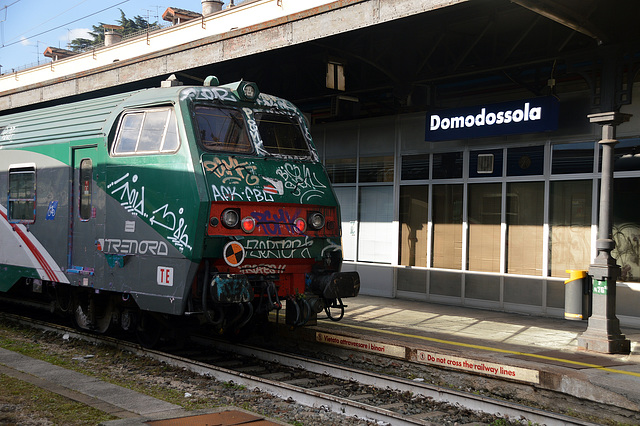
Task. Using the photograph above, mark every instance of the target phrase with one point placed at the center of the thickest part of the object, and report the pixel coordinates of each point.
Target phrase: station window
(415, 167)
(626, 230)
(348, 211)
(627, 155)
(335, 76)
(569, 226)
(376, 169)
(447, 165)
(572, 158)
(376, 233)
(341, 170)
(152, 131)
(414, 210)
(22, 195)
(525, 220)
(484, 210)
(525, 161)
(447, 226)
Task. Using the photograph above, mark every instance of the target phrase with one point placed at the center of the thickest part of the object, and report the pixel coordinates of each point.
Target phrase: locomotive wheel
(89, 315)
(148, 330)
(80, 318)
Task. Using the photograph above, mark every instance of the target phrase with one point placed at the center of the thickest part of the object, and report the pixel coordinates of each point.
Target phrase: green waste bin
(577, 295)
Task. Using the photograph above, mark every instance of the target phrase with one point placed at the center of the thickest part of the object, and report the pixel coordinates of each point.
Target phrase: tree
(78, 44)
(131, 26)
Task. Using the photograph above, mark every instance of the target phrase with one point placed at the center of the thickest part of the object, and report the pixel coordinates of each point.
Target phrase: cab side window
(151, 131)
(22, 195)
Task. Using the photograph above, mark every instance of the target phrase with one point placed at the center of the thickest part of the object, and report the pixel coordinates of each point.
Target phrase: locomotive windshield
(222, 129)
(226, 130)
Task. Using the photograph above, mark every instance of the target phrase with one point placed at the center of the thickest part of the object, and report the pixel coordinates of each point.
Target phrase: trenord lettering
(486, 119)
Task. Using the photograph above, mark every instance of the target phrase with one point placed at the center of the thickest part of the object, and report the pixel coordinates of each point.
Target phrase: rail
(247, 372)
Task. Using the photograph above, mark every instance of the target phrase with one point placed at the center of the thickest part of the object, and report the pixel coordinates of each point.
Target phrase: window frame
(85, 189)
(15, 170)
(171, 117)
(251, 148)
(295, 121)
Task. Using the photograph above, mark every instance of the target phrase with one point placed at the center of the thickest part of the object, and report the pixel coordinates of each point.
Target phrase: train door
(84, 224)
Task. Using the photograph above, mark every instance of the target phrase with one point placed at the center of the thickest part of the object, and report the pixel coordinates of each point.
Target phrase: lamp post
(603, 331)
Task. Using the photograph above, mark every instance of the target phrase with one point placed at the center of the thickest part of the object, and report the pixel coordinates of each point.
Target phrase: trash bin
(577, 295)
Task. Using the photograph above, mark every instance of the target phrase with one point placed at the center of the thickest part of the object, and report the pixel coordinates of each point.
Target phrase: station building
(488, 194)
(492, 222)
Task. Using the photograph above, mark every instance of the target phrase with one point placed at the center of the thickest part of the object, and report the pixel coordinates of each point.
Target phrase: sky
(28, 27)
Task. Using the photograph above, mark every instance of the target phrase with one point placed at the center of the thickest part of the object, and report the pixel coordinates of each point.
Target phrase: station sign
(506, 118)
(361, 345)
(480, 367)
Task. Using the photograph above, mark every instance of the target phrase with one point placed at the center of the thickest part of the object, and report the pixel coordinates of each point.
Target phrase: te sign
(164, 276)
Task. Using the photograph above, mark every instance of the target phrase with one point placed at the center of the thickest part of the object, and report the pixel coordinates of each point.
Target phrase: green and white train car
(173, 202)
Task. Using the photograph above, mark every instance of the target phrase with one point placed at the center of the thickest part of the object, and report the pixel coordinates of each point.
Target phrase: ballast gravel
(191, 391)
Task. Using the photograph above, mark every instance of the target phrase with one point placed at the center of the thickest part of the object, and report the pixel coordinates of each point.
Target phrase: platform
(529, 349)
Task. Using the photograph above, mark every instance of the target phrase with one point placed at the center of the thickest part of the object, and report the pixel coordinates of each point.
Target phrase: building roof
(57, 53)
(173, 14)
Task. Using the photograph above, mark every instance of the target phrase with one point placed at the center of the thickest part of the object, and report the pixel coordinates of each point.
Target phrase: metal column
(603, 331)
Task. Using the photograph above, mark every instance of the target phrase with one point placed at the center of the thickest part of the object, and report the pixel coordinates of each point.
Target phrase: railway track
(379, 398)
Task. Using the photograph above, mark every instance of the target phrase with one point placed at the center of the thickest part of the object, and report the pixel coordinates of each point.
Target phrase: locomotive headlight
(248, 224)
(230, 218)
(300, 225)
(248, 91)
(316, 220)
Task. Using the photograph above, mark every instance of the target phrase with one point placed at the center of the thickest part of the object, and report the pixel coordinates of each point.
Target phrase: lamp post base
(606, 344)
(603, 330)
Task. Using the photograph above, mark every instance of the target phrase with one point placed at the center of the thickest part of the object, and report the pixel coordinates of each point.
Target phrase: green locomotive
(177, 202)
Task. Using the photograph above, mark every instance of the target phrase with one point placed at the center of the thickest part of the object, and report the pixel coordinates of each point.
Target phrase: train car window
(22, 195)
(130, 127)
(86, 177)
(152, 131)
(281, 134)
(222, 129)
(171, 141)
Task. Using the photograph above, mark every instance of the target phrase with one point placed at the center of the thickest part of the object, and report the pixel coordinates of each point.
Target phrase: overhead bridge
(242, 31)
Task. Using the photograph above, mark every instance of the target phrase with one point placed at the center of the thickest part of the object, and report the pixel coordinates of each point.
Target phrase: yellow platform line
(488, 348)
